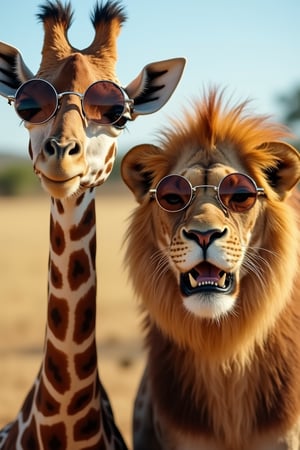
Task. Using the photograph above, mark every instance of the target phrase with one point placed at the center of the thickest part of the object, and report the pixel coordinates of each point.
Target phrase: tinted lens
(36, 101)
(174, 193)
(103, 102)
(237, 192)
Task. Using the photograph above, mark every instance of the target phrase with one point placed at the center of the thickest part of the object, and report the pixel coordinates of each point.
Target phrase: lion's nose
(204, 238)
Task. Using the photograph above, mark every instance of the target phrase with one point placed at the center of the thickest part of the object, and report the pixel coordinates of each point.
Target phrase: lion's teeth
(193, 281)
(222, 280)
(220, 283)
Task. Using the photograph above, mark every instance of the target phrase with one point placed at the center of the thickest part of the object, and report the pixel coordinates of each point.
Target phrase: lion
(213, 255)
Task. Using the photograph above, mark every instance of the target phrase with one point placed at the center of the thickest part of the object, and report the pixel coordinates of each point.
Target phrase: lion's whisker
(159, 261)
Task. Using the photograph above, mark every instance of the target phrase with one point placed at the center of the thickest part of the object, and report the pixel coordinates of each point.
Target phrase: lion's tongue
(206, 273)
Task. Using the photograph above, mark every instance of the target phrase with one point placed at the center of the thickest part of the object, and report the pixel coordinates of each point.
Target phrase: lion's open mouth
(206, 277)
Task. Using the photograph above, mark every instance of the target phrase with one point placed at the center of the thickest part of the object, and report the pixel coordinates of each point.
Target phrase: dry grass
(24, 225)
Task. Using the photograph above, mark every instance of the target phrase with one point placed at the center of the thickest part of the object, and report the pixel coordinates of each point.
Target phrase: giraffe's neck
(69, 372)
(66, 407)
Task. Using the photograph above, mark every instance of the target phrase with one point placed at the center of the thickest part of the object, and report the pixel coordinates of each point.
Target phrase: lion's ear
(286, 174)
(137, 168)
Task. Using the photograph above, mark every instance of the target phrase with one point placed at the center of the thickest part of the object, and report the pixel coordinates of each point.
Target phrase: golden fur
(226, 371)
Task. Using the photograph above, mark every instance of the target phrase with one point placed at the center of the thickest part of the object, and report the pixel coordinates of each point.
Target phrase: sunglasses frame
(59, 96)
(259, 192)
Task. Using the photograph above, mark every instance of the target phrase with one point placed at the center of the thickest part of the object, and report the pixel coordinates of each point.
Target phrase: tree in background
(290, 104)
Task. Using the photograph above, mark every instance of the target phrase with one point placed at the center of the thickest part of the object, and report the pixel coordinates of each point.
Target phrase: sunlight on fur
(217, 285)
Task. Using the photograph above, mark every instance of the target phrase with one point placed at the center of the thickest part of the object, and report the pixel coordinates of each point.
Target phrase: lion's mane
(255, 349)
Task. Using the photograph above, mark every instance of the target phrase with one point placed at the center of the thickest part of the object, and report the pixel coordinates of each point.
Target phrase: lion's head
(213, 244)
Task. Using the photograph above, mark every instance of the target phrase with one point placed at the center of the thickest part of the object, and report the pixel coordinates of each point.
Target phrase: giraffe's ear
(13, 70)
(153, 87)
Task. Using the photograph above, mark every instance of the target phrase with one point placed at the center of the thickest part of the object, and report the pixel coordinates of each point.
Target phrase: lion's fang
(193, 282)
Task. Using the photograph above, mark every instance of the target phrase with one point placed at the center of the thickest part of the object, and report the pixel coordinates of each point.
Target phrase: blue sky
(250, 47)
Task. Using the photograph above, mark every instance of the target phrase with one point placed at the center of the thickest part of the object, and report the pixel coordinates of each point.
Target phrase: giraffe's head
(74, 107)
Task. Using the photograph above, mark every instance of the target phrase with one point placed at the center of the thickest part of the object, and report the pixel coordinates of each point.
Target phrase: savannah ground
(24, 244)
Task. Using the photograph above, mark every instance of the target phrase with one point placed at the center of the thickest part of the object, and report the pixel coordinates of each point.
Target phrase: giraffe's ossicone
(74, 109)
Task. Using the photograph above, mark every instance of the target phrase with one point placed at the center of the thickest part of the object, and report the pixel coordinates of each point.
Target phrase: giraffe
(74, 110)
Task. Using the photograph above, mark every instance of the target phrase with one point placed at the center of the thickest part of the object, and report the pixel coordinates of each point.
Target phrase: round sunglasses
(37, 101)
(236, 192)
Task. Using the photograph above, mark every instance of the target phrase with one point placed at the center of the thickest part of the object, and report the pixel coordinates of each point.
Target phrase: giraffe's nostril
(75, 150)
(49, 148)
(53, 148)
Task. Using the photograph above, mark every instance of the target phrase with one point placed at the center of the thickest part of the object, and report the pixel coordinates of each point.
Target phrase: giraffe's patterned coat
(67, 403)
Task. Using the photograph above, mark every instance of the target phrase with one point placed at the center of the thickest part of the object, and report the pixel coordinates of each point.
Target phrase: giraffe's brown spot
(85, 225)
(58, 316)
(88, 426)
(86, 362)
(59, 206)
(111, 153)
(56, 363)
(45, 403)
(57, 237)
(79, 269)
(93, 245)
(55, 276)
(54, 436)
(27, 405)
(79, 199)
(11, 439)
(85, 314)
(29, 440)
(81, 399)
